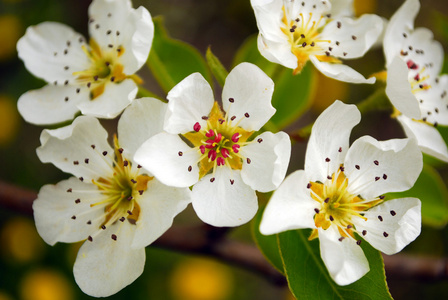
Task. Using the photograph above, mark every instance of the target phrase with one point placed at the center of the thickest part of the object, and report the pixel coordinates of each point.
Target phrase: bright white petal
(251, 92)
(401, 22)
(224, 201)
(51, 104)
(277, 52)
(344, 259)
(269, 158)
(330, 139)
(105, 266)
(340, 72)
(290, 207)
(115, 98)
(382, 167)
(189, 101)
(268, 14)
(169, 159)
(429, 139)
(434, 101)
(159, 205)
(342, 8)
(352, 38)
(62, 212)
(392, 225)
(399, 91)
(78, 149)
(140, 121)
(53, 51)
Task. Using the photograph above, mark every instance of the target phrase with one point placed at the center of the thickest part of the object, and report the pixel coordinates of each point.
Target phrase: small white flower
(215, 153)
(114, 204)
(339, 194)
(96, 78)
(414, 61)
(293, 32)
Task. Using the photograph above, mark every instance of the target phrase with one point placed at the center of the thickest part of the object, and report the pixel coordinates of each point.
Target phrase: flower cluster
(217, 153)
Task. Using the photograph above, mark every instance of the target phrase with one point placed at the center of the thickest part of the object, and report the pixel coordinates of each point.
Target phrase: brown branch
(212, 241)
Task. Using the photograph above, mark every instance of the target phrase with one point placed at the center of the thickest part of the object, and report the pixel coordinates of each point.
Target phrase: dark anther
(110, 46)
(73, 217)
(90, 239)
(384, 176)
(331, 218)
(357, 167)
(354, 37)
(326, 200)
(190, 168)
(77, 201)
(133, 181)
(339, 24)
(364, 232)
(308, 186)
(130, 198)
(405, 35)
(104, 153)
(302, 36)
(66, 82)
(232, 181)
(260, 140)
(69, 190)
(65, 52)
(180, 153)
(329, 177)
(382, 197)
(140, 192)
(327, 53)
(103, 227)
(385, 234)
(78, 90)
(129, 212)
(248, 160)
(380, 218)
(97, 26)
(212, 179)
(341, 239)
(204, 118)
(349, 226)
(393, 213)
(95, 77)
(122, 219)
(66, 99)
(112, 79)
(86, 160)
(125, 163)
(316, 210)
(246, 115)
(139, 167)
(233, 118)
(337, 43)
(377, 178)
(345, 53)
(327, 159)
(81, 178)
(76, 162)
(89, 84)
(358, 242)
(340, 149)
(120, 150)
(114, 237)
(376, 162)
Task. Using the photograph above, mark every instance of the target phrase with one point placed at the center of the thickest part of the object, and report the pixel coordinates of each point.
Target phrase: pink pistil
(220, 161)
(225, 152)
(212, 155)
(218, 138)
(210, 144)
(235, 137)
(197, 127)
(210, 133)
(236, 148)
(202, 148)
(417, 77)
(412, 65)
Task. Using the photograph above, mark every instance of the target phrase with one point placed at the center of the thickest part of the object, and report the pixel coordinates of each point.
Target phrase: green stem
(142, 92)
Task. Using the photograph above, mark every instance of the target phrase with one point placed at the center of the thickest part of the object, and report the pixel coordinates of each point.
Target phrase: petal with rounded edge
(392, 225)
(382, 167)
(78, 149)
(159, 204)
(342, 8)
(224, 201)
(53, 51)
(115, 98)
(51, 104)
(169, 159)
(107, 264)
(278, 52)
(344, 259)
(251, 92)
(340, 72)
(140, 121)
(290, 207)
(189, 101)
(269, 158)
(329, 140)
(62, 212)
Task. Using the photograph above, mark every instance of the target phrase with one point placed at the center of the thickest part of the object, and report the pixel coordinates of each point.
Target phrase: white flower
(115, 205)
(414, 61)
(96, 78)
(339, 194)
(215, 153)
(293, 32)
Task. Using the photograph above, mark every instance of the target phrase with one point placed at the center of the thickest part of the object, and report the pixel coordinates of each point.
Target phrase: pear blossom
(340, 194)
(112, 203)
(414, 61)
(214, 150)
(293, 32)
(94, 77)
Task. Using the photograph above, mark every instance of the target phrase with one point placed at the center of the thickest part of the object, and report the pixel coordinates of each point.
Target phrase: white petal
(51, 104)
(352, 38)
(342, 8)
(268, 14)
(434, 101)
(392, 225)
(428, 138)
(277, 52)
(330, 133)
(383, 167)
(401, 22)
(269, 155)
(48, 48)
(62, 211)
(344, 259)
(251, 90)
(105, 266)
(70, 149)
(117, 23)
(227, 201)
(140, 121)
(290, 207)
(115, 98)
(399, 91)
(340, 72)
(189, 101)
(169, 159)
(159, 205)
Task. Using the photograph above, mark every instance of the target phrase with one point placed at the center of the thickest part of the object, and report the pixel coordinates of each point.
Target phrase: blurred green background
(32, 270)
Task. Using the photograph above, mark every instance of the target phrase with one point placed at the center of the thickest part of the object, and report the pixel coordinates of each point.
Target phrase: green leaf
(172, 60)
(216, 67)
(266, 243)
(433, 193)
(308, 277)
(293, 94)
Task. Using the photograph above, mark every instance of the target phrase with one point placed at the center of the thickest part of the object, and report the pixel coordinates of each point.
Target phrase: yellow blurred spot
(20, 241)
(4, 296)
(201, 279)
(45, 285)
(10, 32)
(328, 90)
(365, 7)
(9, 120)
